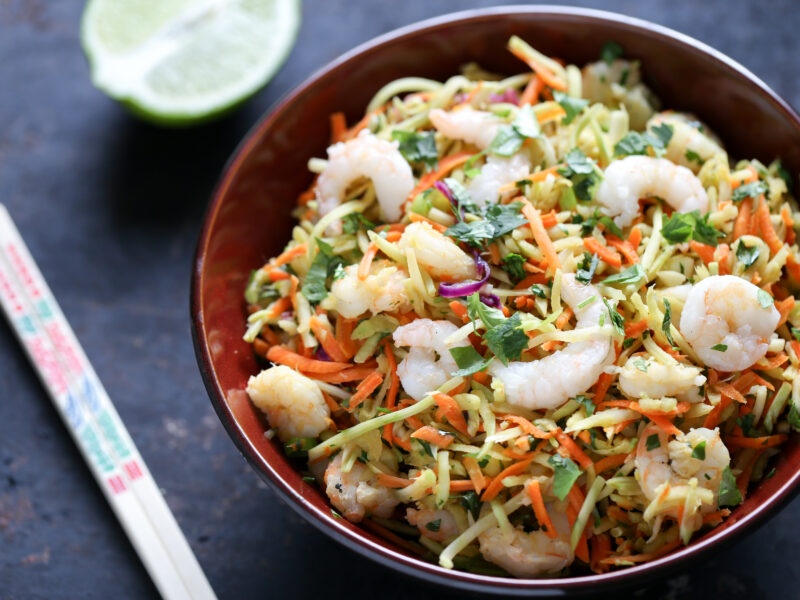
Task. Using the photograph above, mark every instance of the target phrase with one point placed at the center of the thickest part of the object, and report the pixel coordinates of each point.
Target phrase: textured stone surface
(111, 209)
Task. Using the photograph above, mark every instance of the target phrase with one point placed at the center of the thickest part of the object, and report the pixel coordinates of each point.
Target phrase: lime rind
(200, 61)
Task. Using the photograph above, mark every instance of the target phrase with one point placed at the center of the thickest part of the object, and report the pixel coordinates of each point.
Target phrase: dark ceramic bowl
(249, 220)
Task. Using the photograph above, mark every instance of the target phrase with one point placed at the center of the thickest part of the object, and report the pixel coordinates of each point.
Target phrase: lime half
(179, 62)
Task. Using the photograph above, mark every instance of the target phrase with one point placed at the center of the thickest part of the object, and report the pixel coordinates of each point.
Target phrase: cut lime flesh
(183, 61)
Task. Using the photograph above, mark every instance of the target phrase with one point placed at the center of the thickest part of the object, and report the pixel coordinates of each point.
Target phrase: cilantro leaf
(469, 361)
(417, 146)
(491, 317)
(694, 157)
(504, 218)
(610, 52)
(794, 417)
(699, 451)
(764, 299)
(640, 364)
(719, 347)
(747, 422)
(572, 106)
(729, 494)
(633, 274)
(565, 473)
(537, 291)
(616, 319)
(653, 442)
(461, 196)
(747, 256)
(474, 233)
(681, 227)
(355, 221)
(507, 340)
(509, 138)
(325, 265)
(637, 143)
(582, 172)
(526, 124)
(512, 264)
(433, 525)
(749, 190)
(472, 503)
(667, 322)
(663, 133)
(784, 174)
(795, 333)
(586, 403)
(587, 268)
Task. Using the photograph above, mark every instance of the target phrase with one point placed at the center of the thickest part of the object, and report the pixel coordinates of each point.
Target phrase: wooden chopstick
(93, 422)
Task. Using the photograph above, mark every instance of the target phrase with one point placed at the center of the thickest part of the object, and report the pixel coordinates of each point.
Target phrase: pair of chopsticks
(93, 422)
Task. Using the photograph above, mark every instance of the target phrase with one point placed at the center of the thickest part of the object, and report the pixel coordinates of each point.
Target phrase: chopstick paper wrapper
(93, 422)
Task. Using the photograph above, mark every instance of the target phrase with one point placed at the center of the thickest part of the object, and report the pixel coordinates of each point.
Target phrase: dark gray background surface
(111, 209)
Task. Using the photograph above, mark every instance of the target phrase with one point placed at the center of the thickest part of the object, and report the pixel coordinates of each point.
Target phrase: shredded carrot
(730, 390)
(392, 481)
(765, 441)
(582, 549)
(446, 165)
(542, 72)
(476, 476)
(601, 387)
(284, 356)
(481, 377)
(366, 261)
(364, 389)
(716, 516)
(535, 279)
(279, 306)
(530, 95)
(773, 363)
(338, 127)
(784, 306)
(635, 237)
(550, 114)
(712, 418)
(529, 428)
(496, 485)
(636, 329)
(795, 346)
(610, 462)
(289, 255)
(494, 254)
(540, 234)
(417, 218)
(539, 509)
(605, 253)
(647, 556)
(449, 409)
(344, 335)
(277, 275)
(741, 225)
(403, 543)
(460, 310)
(765, 224)
(431, 435)
(328, 341)
(788, 222)
(600, 546)
(704, 251)
(564, 317)
(660, 419)
(624, 247)
(345, 375)
(574, 450)
(722, 256)
(743, 480)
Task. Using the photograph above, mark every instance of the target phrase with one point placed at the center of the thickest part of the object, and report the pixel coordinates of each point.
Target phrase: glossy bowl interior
(249, 220)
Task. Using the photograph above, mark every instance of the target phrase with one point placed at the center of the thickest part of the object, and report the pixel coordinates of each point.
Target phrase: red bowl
(249, 220)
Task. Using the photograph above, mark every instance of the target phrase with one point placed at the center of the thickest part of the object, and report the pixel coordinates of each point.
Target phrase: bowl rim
(327, 523)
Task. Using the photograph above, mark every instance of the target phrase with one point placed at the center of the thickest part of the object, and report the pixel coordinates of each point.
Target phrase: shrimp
(648, 378)
(727, 323)
(475, 127)
(381, 291)
(356, 493)
(672, 462)
(292, 402)
(551, 381)
(530, 554)
(436, 525)
(635, 177)
(496, 173)
(429, 363)
(366, 156)
(438, 255)
(689, 145)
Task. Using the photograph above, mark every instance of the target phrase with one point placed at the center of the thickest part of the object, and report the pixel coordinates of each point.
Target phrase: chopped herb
(610, 52)
(433, 525)
(694, 156)
(747, 423)
(640, 364)
(634, 274)
(747, 256)
(309, 479)
(749, 190)
(586, 403)
(699, 451)
(653, 442)
(537, 291)
(770, 473)
(417, 146)
(616, 319)
(719, 347)
(509, 138)
(637, 143)
(794, 417)
(474, 234)
(426, 447)
(325, 265)
(471, 502)
(728, 492)
(260, 290)
(355, 221)
(461, 196)
(666, 325)
(565, 473)
(623, 78)
(582, 172)
(765, 299)
(784, 174)
(335, 514)
(572, 106)
(497, 221)
(681, 227)
(627, 343)
(469, 361)
(795, 333)
(512, 264)
(507, 341)
(587, 268)
(707, 476)
(299, 446)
